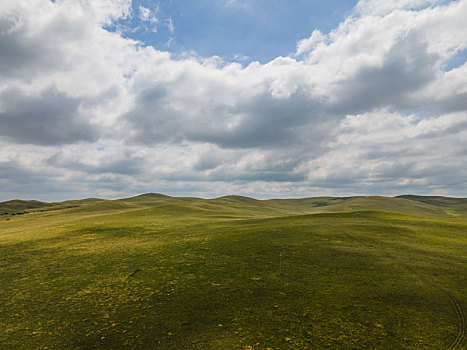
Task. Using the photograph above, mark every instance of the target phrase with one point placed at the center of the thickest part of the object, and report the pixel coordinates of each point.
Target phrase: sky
(269, 99)
(236, 30)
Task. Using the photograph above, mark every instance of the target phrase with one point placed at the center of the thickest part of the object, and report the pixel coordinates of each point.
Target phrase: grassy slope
(19, 205)
(185, 273)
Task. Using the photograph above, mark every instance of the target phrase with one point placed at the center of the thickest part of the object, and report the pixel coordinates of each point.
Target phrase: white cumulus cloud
(370, 107)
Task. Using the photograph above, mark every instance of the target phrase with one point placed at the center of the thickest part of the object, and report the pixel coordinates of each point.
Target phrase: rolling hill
(154, 271)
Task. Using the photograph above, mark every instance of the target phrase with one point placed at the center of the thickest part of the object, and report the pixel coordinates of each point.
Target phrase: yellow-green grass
(187, 273)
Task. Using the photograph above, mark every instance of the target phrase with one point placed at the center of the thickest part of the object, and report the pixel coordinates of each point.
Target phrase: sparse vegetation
(185, 273)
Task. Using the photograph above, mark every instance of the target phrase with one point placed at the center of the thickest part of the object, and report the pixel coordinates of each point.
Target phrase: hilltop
(443, 207)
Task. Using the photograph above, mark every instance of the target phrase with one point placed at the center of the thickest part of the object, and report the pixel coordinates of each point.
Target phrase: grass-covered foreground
(158, 272)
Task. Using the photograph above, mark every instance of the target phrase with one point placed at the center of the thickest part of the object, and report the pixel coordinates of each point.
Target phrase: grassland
(157, 272)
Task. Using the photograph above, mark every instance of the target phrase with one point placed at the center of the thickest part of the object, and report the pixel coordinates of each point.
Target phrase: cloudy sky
(111, 98)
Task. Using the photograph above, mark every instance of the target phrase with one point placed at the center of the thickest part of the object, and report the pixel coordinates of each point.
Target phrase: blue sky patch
(456, 61)
(235, 30)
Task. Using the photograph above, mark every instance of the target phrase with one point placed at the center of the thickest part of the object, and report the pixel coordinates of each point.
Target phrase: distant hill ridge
(17, 204)
(437, 200)
(243, 206)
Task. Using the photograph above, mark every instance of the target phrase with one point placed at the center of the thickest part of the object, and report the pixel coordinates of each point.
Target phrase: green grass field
(157, 272)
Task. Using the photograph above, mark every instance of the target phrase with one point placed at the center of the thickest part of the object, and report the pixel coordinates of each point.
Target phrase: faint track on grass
(457, 343)
(459, 340)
